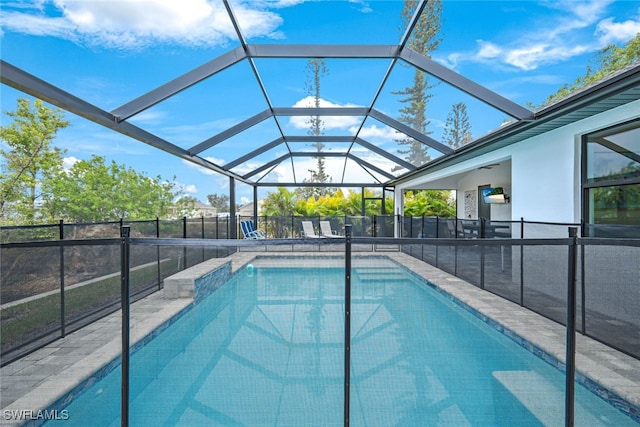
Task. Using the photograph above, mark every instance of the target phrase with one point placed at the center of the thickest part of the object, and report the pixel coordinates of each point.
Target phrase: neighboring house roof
(613, 91)
(204, 209)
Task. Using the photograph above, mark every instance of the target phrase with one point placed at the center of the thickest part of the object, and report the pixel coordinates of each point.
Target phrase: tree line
(284, 202)
(36, 187)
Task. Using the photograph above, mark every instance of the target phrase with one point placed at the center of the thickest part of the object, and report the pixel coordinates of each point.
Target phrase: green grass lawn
(26, 321)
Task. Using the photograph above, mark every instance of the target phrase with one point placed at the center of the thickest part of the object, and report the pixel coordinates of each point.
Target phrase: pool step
(376, 274)
(540, 396)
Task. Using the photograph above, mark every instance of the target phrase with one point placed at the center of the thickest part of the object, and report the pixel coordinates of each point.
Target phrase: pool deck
(40, 379)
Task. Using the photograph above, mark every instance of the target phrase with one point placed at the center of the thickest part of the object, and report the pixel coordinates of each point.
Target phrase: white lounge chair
(307, 229)
(326, 231)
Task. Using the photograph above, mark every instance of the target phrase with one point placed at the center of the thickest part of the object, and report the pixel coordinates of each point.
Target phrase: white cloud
(362, 5)
(576, 15)
(329, 122)
(139, 23)
(215, 160)
(188, 188)
(488, 50)
(277, 3)
(373, 133)
(610, 32)
(574, 28)
(202, 169)
(68, 162)
(149, 117)
(247, 167)
(532, 56)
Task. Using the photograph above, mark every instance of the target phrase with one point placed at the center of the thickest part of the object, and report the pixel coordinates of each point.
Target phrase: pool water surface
(267, 349)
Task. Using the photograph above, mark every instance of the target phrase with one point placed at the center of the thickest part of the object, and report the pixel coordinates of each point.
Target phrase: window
(611, 181)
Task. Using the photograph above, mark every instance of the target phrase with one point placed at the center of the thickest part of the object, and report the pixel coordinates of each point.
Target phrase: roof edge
(608, 86)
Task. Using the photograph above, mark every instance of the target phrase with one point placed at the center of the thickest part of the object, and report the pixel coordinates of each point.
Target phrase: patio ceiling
(250, 149)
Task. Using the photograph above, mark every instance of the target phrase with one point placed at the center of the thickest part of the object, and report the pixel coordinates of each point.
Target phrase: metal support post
(233, 217)
(483, 225)
(437, 237)
(571, 328)
(521, 263)
(125, 232)
(62, 306)
(347, 322)
(202, 233)
(158, 270)
(184, 236)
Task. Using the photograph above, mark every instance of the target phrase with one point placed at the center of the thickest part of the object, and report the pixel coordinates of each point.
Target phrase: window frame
(586, 186)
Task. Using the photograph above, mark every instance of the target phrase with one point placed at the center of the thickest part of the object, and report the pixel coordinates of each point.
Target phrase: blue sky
(109, 52)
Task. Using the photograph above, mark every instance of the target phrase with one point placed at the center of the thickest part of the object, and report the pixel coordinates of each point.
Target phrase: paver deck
(39, 379)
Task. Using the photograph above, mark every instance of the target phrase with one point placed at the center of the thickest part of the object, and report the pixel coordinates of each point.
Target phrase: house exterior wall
(546, 170)
(543, 179)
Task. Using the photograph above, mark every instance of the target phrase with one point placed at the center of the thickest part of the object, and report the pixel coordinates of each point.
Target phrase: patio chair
(249, 231)
(326, 231)
(307, 229)
(261, 234)
(454, 228)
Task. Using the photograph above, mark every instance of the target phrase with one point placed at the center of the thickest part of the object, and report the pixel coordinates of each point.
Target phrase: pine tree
(414, 115)
(457, 130)
(423, 39)
(316, 69)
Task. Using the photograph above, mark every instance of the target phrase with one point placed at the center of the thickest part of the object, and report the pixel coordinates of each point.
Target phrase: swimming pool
(266, 349)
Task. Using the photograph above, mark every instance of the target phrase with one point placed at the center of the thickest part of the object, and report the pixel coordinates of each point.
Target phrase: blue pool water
(266, 349)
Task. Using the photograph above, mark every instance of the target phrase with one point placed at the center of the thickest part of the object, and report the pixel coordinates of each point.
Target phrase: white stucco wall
(545, 171)
(544, 175)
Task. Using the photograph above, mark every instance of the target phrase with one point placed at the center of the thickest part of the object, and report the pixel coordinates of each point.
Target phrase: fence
(197, 228)
(57, 283)
(534, 273)
(59, 278)
(416, 227)
(287, 227)
(46, 299)
(552, 284)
